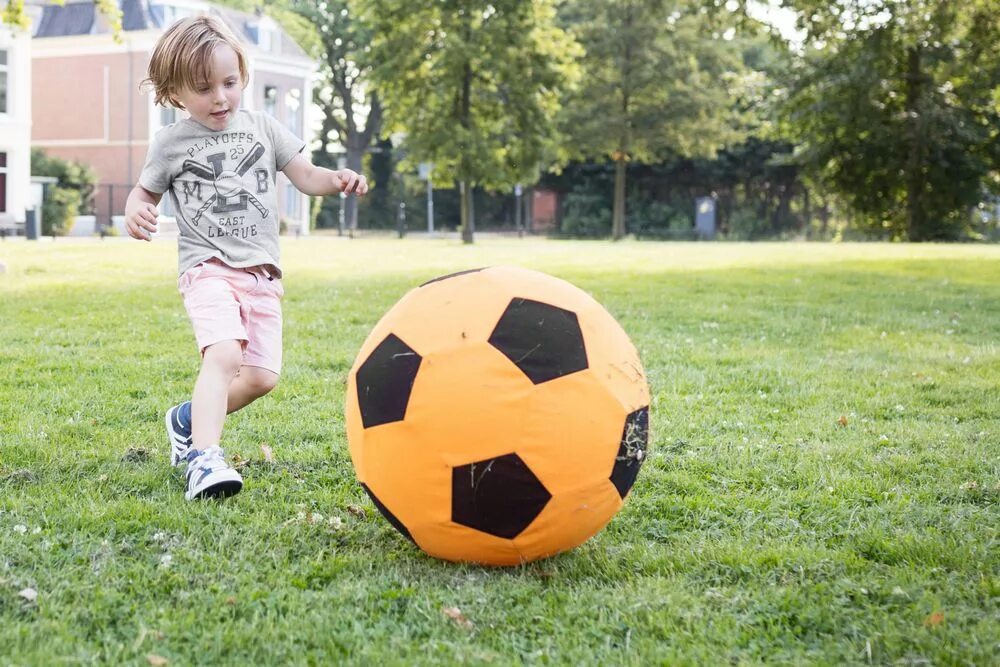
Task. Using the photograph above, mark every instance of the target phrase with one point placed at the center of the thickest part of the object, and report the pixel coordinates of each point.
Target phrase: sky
(781, 18)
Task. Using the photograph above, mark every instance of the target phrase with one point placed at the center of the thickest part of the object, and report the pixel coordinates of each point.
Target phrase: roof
(80, 17)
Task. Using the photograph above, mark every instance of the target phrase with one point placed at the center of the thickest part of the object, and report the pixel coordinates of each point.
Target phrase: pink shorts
(224, 303)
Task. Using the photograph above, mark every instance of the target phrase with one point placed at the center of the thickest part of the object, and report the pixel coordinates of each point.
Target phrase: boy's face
(214, 102)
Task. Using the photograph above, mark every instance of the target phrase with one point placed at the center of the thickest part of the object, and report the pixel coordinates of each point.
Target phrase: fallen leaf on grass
(136, 455)
(29, 594)
(157, 660)
(971, 485)
(357, 511)
(268, 453)
(843, 420)
(934, 620)
(239, 462)
(456, 615)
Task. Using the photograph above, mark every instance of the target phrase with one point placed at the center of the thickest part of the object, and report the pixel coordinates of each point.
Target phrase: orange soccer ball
(497, 416)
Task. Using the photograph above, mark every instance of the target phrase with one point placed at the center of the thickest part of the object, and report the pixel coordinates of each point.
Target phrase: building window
(263, 33)
(292, 200)
(271, 100)
(3, 182)
(3, 81)
(165, 15)
(293, 117)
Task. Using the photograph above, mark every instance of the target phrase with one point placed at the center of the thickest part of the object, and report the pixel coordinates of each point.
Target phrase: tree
(473, 86)
(352, 108)
(897, 108)
(653, 83)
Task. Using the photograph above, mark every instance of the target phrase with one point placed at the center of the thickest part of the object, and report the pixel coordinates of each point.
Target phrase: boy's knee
(260, 381)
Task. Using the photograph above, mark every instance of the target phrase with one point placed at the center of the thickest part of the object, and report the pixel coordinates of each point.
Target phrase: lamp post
(424, 171)
(517, 210)
(341, 164)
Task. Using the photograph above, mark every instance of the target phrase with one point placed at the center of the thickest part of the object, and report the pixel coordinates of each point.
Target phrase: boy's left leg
(250, 383)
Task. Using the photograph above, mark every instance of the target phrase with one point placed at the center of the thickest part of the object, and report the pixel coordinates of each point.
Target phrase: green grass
(761, 529)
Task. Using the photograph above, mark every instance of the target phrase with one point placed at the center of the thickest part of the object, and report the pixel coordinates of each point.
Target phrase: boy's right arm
(140, 213)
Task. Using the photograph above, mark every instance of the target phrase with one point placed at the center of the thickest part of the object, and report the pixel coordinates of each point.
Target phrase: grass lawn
(823, 484)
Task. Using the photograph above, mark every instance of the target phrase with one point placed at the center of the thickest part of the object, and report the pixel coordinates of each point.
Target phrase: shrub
(585, 214)
(71, 196)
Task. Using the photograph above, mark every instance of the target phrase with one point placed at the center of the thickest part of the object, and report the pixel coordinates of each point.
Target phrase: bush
(585, 214)
(745, 224)
(650, 217)
(71, 196)
(59, 210)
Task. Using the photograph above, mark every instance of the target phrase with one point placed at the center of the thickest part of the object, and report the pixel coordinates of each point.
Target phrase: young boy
(219, 168)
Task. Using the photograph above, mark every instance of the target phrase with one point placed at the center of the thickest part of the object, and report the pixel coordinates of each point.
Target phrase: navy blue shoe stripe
(179, 428)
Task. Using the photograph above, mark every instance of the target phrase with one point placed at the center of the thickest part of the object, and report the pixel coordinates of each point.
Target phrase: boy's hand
(140, 222)
(350, 182)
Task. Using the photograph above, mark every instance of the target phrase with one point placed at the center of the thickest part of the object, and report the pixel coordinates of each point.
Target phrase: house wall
(265, 74)
(15, 125)
(104, 120)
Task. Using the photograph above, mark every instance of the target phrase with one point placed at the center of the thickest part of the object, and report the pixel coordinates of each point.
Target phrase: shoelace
(211, 458)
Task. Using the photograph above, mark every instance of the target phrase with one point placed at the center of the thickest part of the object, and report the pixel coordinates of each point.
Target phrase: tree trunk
(916, 214)
(465, 208)
(354, 156)
(618, 217)
(465, 117)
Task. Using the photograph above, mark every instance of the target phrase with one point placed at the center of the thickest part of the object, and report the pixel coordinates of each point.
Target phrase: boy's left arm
(318, 181)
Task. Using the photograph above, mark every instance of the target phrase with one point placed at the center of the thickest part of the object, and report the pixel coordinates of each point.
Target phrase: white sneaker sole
(220, 484)
(176, 455)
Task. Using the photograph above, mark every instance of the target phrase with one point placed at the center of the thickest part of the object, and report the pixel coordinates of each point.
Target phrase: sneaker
(209, 476)
(179, 436)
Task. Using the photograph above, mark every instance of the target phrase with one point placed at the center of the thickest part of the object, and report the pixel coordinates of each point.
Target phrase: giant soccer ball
(497, 416)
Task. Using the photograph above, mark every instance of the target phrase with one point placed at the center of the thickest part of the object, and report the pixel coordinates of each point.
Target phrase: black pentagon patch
(451, 275)
(498, 496)
(385, 380)
(544, 341)
(390, 517)
(632, 451)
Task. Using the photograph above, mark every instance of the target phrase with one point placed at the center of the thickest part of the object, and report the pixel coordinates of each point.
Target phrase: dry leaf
(455, 614)
(971, 485)
(239, 462)
(231, 601)
(934, 620)
(29, 594)
(157, 660)
(356, 510)
(268, 452)
(843, 420)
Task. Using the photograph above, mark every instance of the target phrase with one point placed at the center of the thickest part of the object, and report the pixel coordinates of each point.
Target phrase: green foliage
(71, 196)
(655, 81)
(821, 486)
(474, 87)
(898, 110)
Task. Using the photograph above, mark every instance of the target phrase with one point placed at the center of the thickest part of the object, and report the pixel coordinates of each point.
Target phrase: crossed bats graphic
(227, 183)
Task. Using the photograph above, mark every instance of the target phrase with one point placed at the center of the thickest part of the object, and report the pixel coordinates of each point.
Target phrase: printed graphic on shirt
(227, 192)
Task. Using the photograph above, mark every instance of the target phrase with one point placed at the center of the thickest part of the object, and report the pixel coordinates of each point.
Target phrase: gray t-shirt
(222, 186)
